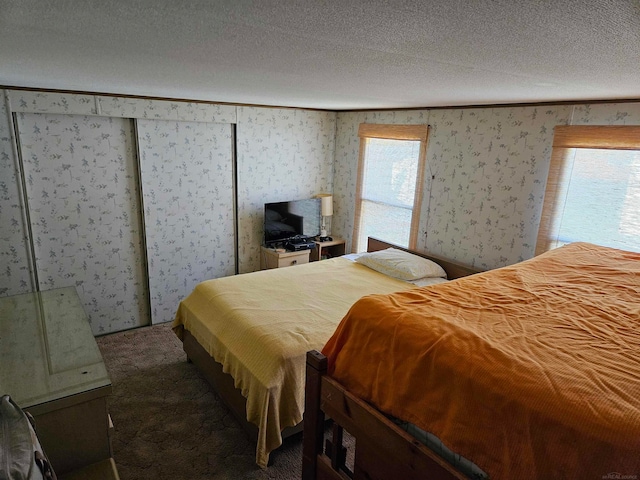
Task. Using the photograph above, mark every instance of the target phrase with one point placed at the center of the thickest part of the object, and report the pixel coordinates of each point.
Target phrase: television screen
(283, 220)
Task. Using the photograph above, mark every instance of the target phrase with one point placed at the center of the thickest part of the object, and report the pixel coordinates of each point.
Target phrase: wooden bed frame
(223, 383)
(378, 449)
(382, 450)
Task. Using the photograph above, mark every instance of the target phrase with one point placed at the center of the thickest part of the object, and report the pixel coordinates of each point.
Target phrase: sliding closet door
(188, 195)
(82, 190)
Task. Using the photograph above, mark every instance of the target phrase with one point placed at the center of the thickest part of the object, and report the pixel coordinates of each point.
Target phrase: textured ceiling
(337, 55)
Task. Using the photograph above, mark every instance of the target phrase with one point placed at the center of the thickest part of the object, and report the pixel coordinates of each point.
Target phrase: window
(593, 188)
(389, 188)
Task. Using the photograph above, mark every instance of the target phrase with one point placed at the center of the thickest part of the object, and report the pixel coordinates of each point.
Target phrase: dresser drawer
(293, 258)
(276, 258)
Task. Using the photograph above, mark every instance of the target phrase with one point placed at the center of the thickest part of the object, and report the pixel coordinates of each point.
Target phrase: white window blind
(391, 167)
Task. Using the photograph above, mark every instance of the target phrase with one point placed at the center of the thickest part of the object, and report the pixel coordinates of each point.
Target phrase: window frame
(567, 138)
(391, 132)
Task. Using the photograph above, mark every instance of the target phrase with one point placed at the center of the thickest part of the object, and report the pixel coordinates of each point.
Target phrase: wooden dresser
(51, 366)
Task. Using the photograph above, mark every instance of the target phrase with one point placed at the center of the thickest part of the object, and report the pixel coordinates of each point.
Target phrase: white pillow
(425, 282)
(400, 264)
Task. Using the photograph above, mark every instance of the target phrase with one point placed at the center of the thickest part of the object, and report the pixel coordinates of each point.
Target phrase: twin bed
(498, 375)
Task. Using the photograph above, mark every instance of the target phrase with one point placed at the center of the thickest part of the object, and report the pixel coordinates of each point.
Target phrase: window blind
(389, 186)
(593, 188)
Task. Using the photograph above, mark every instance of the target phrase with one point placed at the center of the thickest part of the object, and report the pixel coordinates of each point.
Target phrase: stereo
(296, 247)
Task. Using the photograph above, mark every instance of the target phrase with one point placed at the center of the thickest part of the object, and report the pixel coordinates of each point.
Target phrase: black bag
(21, 456)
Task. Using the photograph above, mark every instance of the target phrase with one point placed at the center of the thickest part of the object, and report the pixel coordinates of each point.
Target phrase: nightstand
(277, 258)
(329, 249)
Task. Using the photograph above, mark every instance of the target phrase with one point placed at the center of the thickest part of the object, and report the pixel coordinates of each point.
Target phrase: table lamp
(326, 210)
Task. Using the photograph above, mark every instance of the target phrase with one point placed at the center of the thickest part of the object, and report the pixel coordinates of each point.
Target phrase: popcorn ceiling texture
(329, 55)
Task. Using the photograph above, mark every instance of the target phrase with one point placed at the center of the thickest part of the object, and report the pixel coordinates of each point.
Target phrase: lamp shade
(326, 205)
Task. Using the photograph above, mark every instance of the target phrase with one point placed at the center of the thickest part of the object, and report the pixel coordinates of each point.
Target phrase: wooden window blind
(593, 188)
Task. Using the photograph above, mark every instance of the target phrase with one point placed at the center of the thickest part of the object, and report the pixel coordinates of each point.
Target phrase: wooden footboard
(382, 450)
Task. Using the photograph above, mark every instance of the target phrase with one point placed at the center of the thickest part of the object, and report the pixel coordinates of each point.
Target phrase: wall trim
(398, 109)
(164, 99)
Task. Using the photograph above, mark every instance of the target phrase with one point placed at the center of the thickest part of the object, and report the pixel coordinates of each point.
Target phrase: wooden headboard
(454, 270)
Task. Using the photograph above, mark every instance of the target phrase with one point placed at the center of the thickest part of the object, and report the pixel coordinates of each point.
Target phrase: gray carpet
(170, 424)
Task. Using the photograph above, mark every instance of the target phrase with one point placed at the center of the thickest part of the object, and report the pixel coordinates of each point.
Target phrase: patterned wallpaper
(187, 185)
(165, 110)
(82, 186)
(489, 169)
(283, 154)
(606, 114)
(78, 104)
(15, 276)
(482, 206)
(26, 101)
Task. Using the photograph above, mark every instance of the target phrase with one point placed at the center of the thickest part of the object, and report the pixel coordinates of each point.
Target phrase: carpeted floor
(169, 423)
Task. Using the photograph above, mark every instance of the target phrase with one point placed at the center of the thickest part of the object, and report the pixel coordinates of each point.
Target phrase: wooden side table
(276, 258)
(328, 249)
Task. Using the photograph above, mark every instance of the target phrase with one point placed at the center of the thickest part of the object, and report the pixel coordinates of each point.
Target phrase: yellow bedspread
(259, 326)
(530, 371)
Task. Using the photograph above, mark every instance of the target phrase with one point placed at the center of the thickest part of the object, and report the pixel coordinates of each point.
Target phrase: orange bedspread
(530, 371)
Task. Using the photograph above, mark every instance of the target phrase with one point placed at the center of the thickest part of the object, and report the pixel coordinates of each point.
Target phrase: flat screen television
(285, 220)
